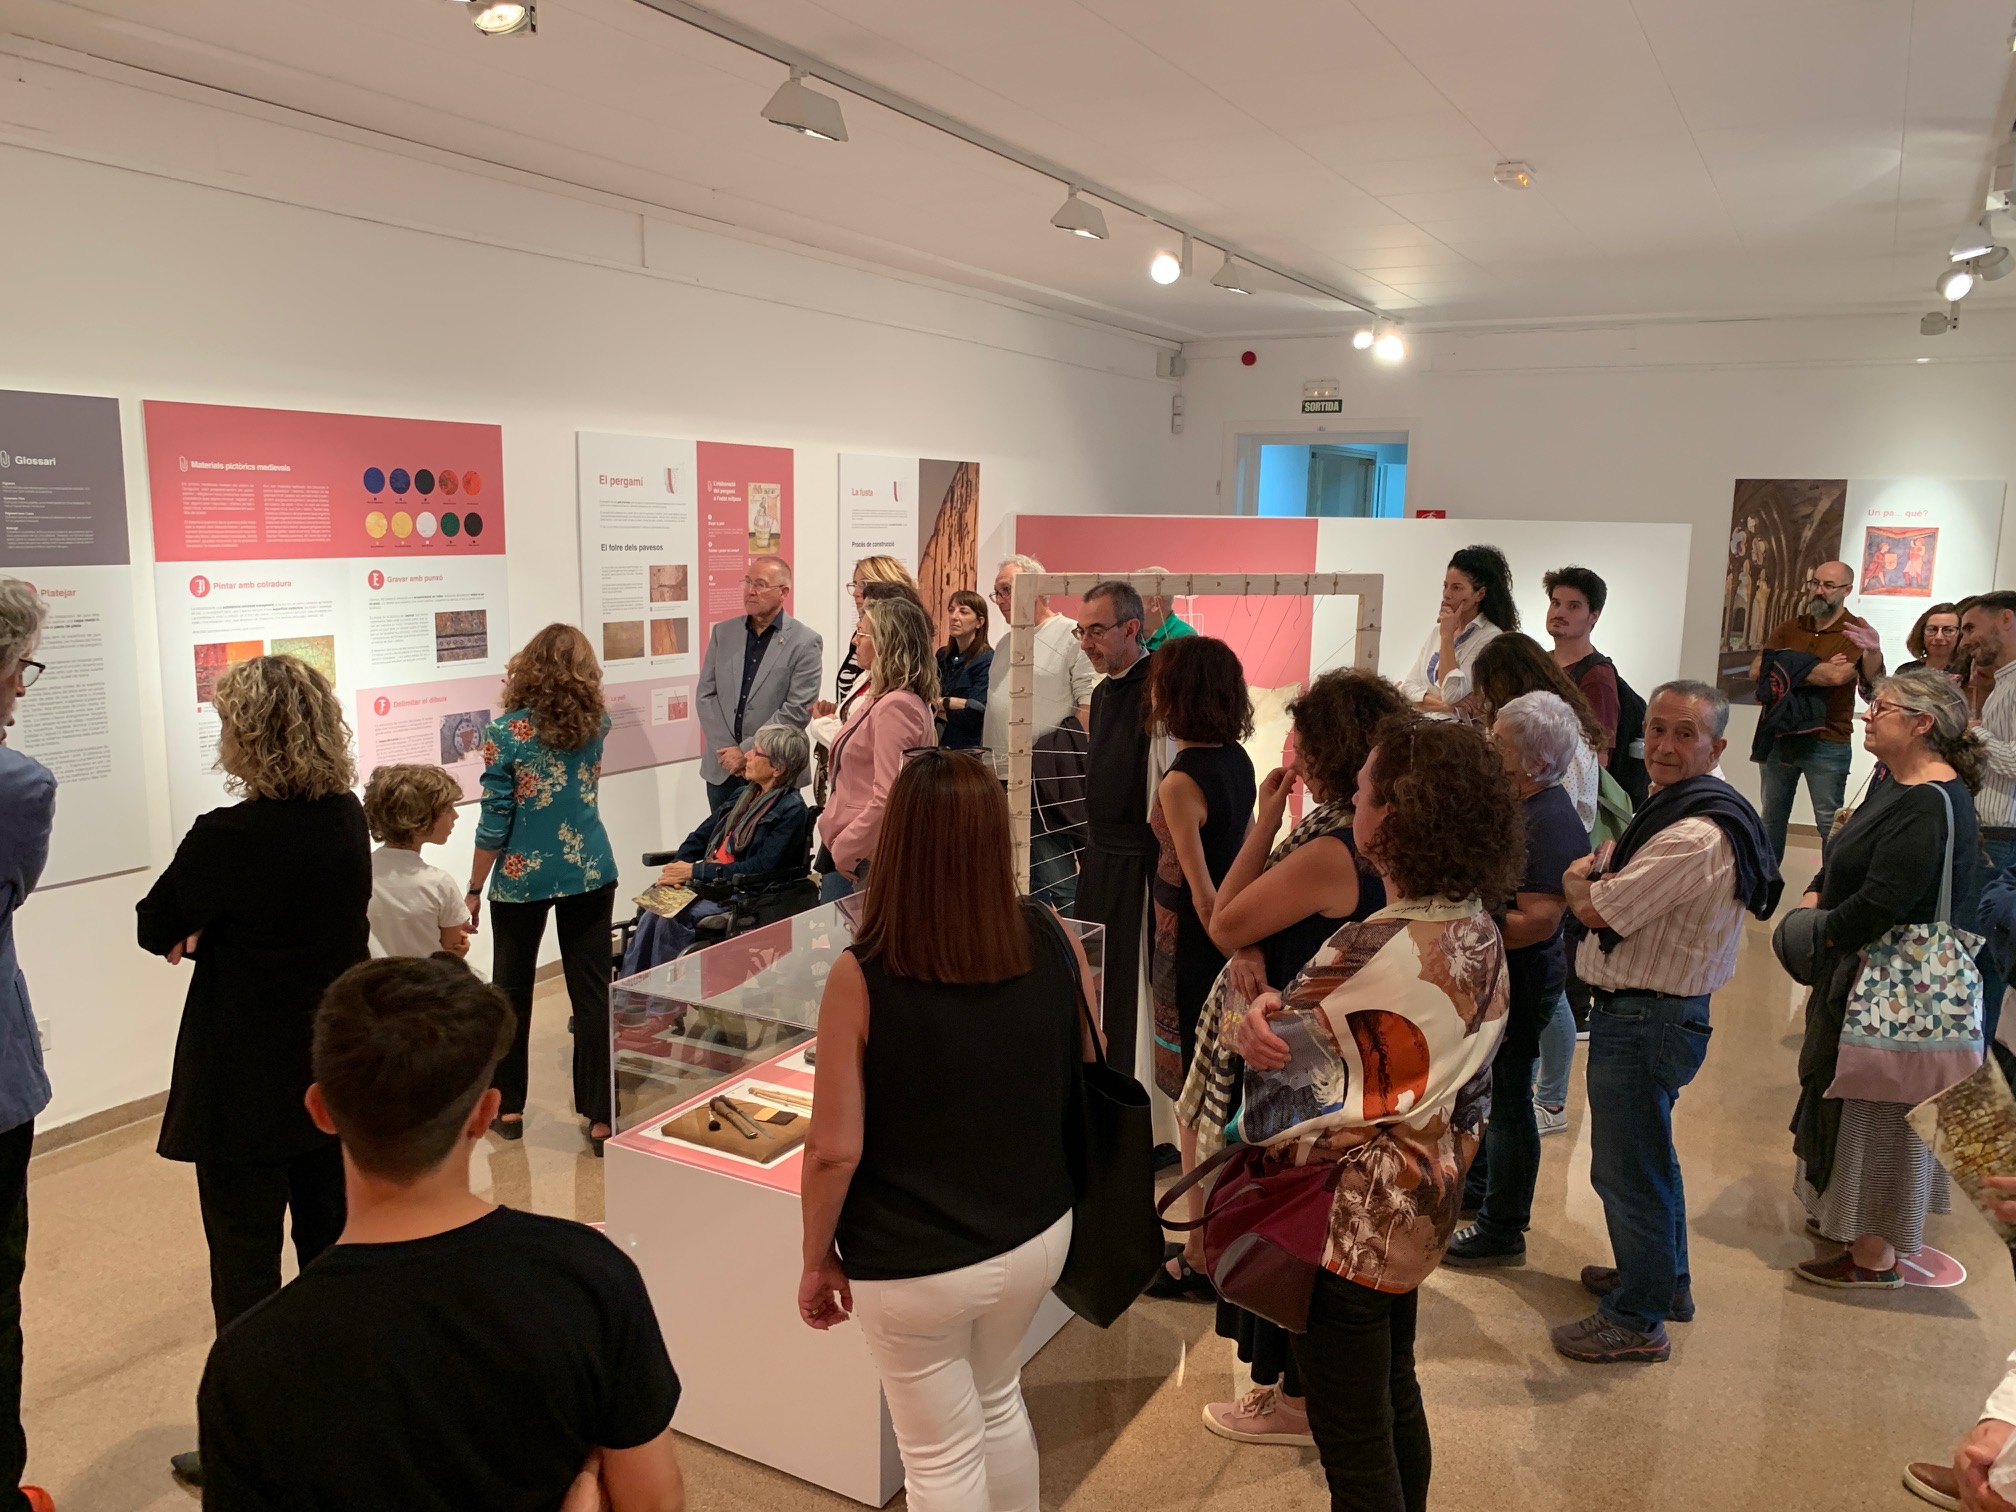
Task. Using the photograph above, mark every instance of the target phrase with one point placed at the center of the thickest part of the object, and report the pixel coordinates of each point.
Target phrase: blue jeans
(1557, 1056)
(1823, 763)
(2000, 854)
(1053, 868)
(833, 886)
(1643, 1049)
(721, 794)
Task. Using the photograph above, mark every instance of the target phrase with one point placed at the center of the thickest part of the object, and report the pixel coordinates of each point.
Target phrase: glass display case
(709, 1019)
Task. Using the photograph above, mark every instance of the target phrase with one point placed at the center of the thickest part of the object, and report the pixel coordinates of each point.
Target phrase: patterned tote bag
(1913, 1025)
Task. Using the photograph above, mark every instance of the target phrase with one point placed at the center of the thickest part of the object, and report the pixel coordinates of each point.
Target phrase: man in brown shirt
(1850, 653)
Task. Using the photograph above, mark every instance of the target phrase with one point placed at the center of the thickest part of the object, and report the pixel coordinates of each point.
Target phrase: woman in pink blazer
(893, 646)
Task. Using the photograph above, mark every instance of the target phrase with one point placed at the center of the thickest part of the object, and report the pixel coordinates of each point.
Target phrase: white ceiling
(1692, 157)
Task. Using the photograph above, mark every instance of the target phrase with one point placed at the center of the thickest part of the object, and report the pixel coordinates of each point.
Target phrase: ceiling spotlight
(1996, 264)
(1362, 337)
(1513, 175)
(1936, 323)
(1235, 276)
(1973, 242)
(1955, 284)
(500, 18)
(1389, 347)
(805, 111)
(1166, 268)
(1080, 217)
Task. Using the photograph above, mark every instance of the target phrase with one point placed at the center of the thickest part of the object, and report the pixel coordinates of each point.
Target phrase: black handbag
(1116, 1239)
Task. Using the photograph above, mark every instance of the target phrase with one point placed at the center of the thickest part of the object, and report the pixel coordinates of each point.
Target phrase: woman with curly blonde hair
(542, 847)
(268, 899)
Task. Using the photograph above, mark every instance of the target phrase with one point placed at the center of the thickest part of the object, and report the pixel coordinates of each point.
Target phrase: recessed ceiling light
(1514, 175)
(805, 111)
(1080, 217)
(1166, 268)
(1235, 276)
(1362, 337)
(1389, 347)
(500, 18)
(1973, 242)
(1955, 284)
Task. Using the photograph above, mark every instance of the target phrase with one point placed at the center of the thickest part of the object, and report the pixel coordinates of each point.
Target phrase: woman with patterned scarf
(1275, 908)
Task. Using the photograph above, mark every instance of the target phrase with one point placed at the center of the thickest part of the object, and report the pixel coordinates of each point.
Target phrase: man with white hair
(761, 668)
(27, 814)
(1538, 738)
(1060, 713)
(1159, 622)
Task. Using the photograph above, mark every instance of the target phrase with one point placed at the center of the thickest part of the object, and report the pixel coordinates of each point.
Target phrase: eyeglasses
(29, 671)
(1001, 594)
(1814, 582)
(759, 583)
(1884, 706)
(1087, 632)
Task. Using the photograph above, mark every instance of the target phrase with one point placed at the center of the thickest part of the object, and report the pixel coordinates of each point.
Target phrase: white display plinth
(717, 1237)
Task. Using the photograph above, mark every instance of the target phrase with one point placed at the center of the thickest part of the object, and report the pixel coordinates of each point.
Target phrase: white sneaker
(1551, 1120)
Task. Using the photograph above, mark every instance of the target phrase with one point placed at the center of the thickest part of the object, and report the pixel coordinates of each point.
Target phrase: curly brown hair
(402, 802)
(1334, 721)
(556, 676)
(1514, 665)
(283, 732)
(1197, 691)
(1453, 827)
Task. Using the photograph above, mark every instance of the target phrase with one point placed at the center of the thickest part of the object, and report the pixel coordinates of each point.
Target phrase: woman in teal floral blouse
(542, 846)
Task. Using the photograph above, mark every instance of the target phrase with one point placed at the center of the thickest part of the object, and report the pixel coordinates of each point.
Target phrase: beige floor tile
(1781, 1395)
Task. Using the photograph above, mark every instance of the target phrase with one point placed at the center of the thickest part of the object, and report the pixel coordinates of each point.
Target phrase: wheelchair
(746, 902)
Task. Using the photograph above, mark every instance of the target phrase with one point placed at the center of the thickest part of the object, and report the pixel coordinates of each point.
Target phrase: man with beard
(1848, 651)
(1121, 849)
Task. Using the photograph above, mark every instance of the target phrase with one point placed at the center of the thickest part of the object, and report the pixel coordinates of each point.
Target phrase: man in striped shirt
(1666, 926)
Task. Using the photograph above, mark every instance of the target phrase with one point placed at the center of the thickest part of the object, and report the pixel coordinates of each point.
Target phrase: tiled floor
(1781, 1396)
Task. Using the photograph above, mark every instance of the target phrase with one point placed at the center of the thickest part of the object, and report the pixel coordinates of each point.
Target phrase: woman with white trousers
(946, 1035)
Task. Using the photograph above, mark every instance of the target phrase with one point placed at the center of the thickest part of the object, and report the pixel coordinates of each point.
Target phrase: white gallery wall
(164, 249)
(1648, 423)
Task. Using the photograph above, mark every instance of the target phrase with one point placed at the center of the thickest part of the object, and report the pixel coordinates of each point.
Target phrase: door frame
(1240, 456)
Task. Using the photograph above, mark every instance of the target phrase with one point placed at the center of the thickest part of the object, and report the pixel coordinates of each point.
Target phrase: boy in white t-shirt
(416, 908)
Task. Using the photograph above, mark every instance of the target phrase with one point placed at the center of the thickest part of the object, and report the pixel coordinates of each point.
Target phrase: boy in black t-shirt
(444, 1354)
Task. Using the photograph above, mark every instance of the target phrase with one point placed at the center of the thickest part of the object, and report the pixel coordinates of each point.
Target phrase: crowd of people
(1361, 976)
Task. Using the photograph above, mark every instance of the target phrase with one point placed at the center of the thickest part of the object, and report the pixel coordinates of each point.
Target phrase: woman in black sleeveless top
(1277, 906)
(947, 1035)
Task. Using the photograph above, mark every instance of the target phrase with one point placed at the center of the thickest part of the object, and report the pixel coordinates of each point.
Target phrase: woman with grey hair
(1538, 737)
(1865, 1178)
(27, 815)
(759, 836)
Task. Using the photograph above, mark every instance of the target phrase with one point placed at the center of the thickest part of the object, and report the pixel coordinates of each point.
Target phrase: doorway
(1338, 477)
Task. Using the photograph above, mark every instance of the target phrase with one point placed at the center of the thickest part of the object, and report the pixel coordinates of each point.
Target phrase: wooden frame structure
(1369, 588)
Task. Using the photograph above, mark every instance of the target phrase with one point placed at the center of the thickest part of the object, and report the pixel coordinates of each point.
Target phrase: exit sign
(1431, 514)
(1322, 406)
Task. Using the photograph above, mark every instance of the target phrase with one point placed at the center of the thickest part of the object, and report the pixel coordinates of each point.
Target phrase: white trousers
(949, 1350)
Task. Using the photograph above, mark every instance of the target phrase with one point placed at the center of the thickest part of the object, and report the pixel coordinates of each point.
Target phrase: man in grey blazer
(760, 669)
(27, 813)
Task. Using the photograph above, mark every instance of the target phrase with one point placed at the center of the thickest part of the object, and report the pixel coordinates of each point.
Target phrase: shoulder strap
(1946, 872)
(1053, 928)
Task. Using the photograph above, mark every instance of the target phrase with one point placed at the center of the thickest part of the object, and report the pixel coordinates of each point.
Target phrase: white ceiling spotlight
(1996, 264)
(1235, 276)
(1166, 268)
(1513, 175)
(1362, 337)
(1389, 347)
(1975, 241)
(503, 18)
(1937, 323)
(805, 111)
(1080, 217)
(1955, 284)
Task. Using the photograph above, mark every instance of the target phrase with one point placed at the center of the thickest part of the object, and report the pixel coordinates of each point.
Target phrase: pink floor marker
(1931, 1267)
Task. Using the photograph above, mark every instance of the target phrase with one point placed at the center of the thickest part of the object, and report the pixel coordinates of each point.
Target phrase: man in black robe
(1120, 851)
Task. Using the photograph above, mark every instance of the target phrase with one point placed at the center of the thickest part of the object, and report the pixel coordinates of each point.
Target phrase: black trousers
(243, 1205)
(15, 1147)
(583, 922)
(1365, 1412)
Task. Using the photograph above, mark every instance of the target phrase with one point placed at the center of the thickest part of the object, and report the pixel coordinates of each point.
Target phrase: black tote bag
(1116, 1239)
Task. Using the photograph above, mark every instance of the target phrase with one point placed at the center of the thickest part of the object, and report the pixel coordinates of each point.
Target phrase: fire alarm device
(1249, 358)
